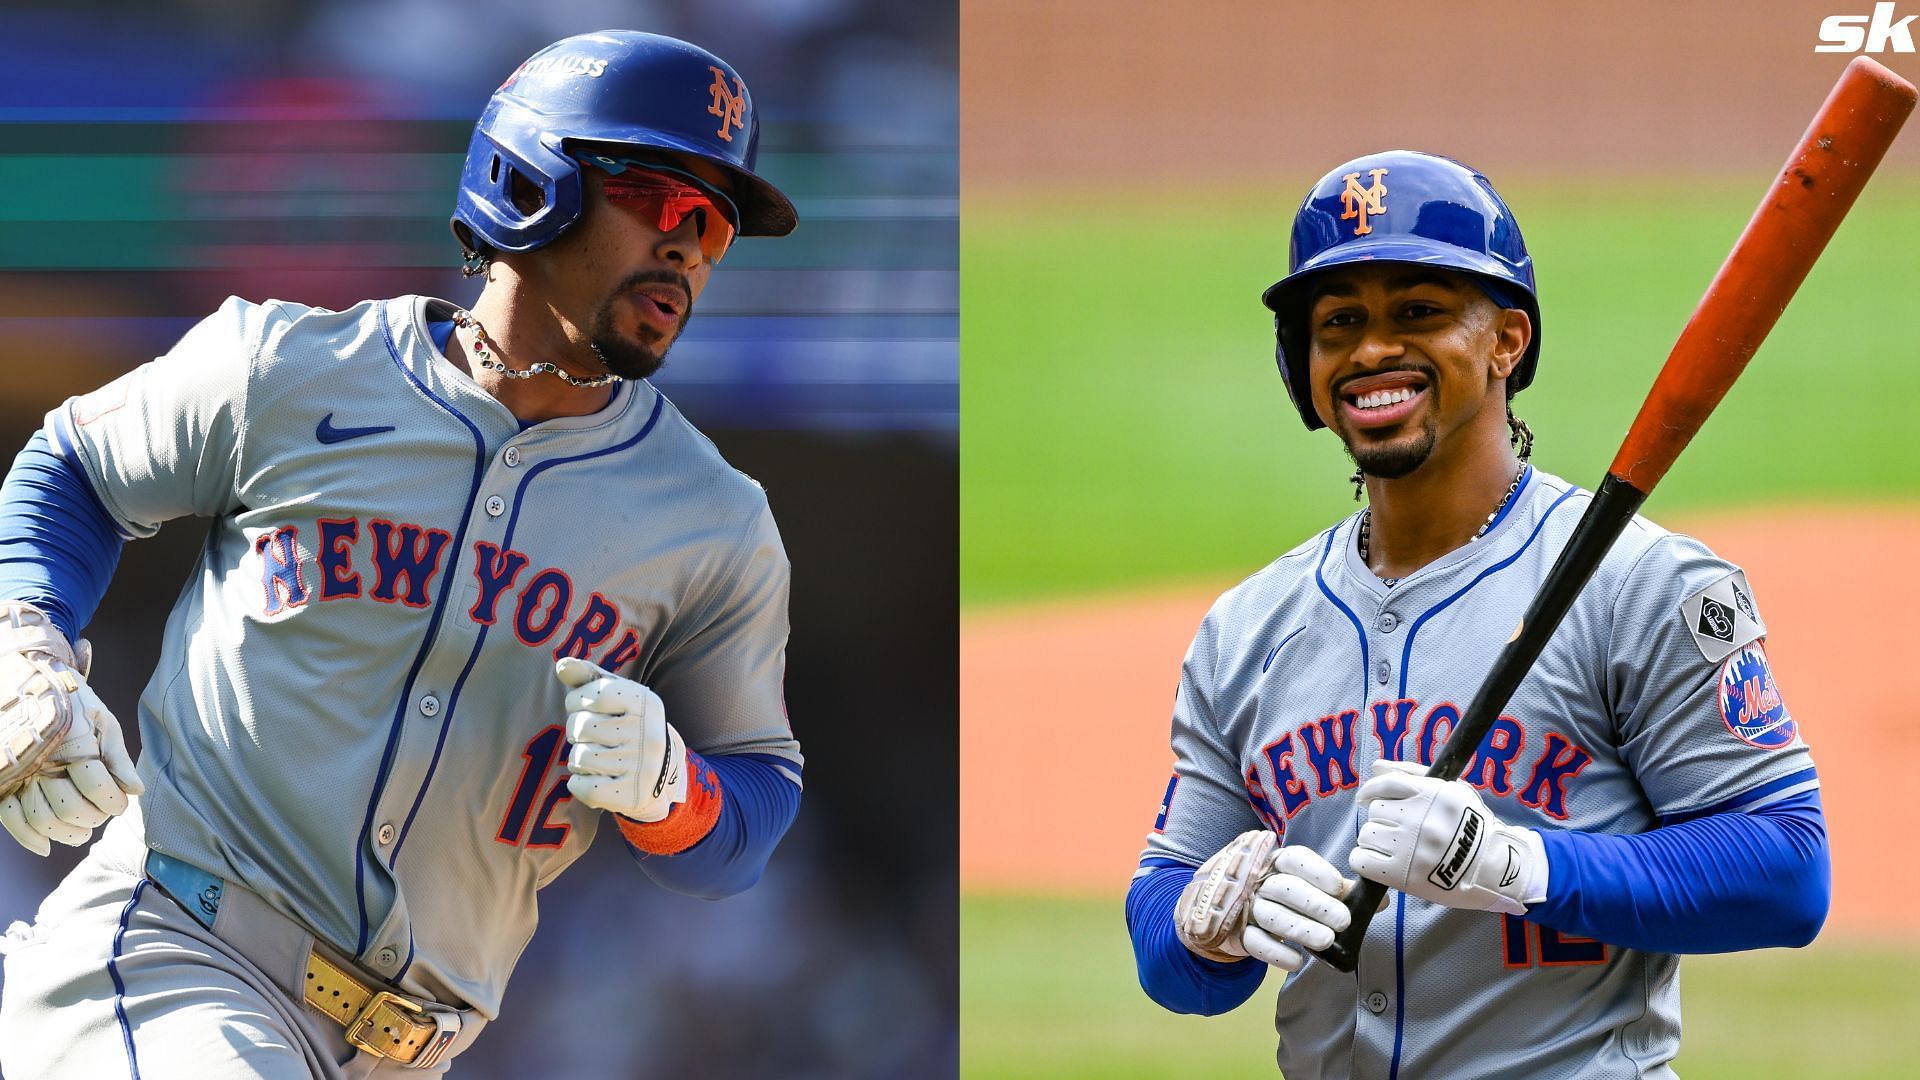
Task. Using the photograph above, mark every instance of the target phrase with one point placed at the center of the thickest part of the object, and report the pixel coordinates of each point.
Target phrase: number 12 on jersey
(541, 752)
(1522, 941)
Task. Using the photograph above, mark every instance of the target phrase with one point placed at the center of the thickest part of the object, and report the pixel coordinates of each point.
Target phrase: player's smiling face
(629, 285)
(1402, 357)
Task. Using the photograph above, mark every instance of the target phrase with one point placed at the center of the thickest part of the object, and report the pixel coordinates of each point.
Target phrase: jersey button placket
(496, 506)
(511, 457)
(1386, 622)
(1376, 1003)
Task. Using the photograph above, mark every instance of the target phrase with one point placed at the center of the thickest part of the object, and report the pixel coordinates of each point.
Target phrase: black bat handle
(1362, 902)
(1613, 506)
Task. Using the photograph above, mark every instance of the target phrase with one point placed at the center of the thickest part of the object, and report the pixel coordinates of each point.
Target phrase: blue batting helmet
(641, 91)
(1400, 206)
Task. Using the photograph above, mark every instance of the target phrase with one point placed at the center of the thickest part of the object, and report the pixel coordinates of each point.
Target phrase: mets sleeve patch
(1722, 618)
(1750, 700)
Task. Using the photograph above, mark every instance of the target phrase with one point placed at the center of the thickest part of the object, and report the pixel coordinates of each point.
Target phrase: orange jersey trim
(686, 824)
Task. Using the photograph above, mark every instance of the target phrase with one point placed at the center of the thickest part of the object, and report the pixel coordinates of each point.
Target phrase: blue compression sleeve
(1169, 973)
(1718, 883)
(58, 544)
(758, 805)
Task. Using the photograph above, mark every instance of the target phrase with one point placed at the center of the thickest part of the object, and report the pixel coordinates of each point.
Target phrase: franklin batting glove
(1435, 839)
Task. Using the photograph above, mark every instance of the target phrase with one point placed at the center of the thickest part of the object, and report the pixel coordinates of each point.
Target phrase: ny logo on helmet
(1358, 202)
(729, 105)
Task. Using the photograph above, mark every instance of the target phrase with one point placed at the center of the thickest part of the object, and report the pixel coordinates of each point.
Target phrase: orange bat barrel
(1823, 176)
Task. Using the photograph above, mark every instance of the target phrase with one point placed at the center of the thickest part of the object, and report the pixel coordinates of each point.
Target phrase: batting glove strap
(1436, 839)
(688, 822)
(26, 629)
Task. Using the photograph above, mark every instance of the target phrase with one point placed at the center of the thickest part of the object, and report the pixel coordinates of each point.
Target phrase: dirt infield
(1063, 712)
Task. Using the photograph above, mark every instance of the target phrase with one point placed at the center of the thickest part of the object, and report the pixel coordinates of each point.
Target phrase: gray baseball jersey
(1652, 701)
(355, 713)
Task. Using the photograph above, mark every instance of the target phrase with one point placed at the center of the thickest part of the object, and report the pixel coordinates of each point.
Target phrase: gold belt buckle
(446, 1025)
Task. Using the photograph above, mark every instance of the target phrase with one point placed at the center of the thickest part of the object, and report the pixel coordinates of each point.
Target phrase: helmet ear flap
(1293, 346)
(517, 192)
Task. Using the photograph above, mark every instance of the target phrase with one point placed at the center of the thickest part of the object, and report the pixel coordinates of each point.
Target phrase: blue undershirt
(58, 544)
(1171, 974)
(58, 550)
(1719, 883)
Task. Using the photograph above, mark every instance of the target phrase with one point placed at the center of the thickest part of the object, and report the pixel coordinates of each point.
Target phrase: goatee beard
(1396, 459)
(636, 359)
(626, 359)
(1405, 453)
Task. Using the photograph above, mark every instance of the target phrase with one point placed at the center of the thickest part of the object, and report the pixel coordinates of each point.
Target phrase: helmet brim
(1411, 250)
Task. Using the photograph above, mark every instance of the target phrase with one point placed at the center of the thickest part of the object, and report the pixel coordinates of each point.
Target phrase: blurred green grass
(1048, 990)
(1123, 424)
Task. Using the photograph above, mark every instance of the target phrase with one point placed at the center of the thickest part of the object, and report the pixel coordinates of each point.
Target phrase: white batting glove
(85, 781)
(626, 758)
(1212, 909)
(1435, 839)
(1297, 909)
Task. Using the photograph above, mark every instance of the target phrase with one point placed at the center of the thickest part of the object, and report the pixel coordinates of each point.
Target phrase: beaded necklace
(1366, 522)
(465, 320)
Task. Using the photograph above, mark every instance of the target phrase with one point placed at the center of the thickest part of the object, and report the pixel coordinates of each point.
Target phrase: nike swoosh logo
(1277, 648)
(329, 434)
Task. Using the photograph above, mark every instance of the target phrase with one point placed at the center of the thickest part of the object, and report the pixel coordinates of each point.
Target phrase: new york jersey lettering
(405, 552)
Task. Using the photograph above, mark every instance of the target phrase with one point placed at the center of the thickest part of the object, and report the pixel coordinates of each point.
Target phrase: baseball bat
(1796, 218)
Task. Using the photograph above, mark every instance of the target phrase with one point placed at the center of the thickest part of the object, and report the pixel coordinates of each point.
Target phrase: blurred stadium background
(1130, 174)
(159, 156)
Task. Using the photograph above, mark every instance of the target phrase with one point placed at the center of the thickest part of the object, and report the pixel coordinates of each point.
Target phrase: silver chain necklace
(465, 320)
(1366, 521)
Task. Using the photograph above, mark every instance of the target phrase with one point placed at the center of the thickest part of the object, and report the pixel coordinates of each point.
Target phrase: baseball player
(1646, 794)
(472, 588)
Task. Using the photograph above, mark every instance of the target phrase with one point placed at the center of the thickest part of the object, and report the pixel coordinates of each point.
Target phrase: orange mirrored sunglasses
(670, 196)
